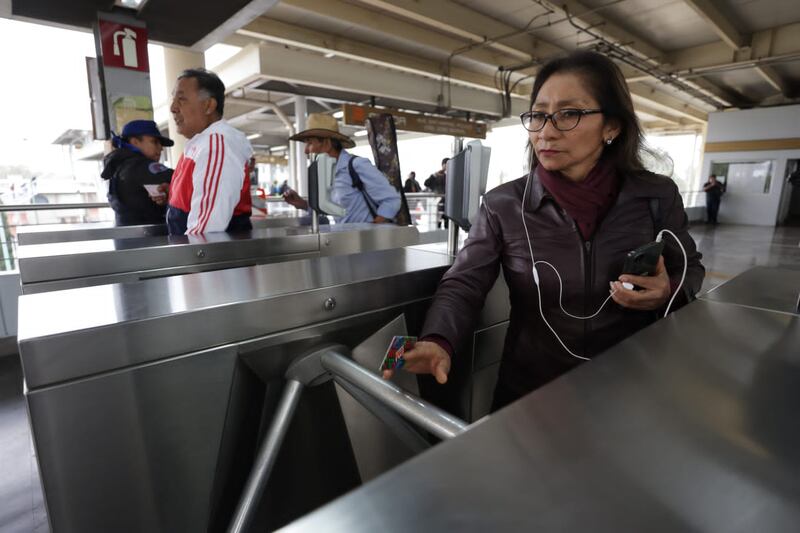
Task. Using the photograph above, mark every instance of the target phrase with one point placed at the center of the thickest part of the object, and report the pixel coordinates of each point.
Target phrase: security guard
(132, 165)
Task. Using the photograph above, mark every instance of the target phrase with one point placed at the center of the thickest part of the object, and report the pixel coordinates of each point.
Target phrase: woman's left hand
(654, 293)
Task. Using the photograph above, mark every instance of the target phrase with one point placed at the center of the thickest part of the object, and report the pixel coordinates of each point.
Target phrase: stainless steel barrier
(688, 425)
(66, 265)
(313, 369)
(770, 288)
(164, 389)
(50, 233)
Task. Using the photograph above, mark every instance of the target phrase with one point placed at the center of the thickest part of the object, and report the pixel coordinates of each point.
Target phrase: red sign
(124, 46)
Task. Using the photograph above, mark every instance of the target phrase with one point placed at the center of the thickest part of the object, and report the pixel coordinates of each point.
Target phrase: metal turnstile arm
(383, 398)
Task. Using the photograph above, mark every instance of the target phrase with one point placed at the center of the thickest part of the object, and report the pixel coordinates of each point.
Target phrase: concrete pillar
(175, 62)
(301, 161)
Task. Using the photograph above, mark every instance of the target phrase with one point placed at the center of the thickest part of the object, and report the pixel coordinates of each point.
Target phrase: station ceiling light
(338, 114)
(253, 136)
(131, 4)
(361, 133)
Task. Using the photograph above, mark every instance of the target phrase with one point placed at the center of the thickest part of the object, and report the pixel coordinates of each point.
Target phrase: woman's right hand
(425, 358)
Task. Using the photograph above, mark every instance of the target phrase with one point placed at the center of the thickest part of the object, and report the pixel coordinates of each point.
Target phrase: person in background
(377, 202)
(714, 190)
(587, 202)
(210, 189)
(133, 164)
(275, 190)
(412, 185)
(436, 183)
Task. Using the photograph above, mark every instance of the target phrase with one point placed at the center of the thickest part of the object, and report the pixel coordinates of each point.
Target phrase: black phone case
(643, 260)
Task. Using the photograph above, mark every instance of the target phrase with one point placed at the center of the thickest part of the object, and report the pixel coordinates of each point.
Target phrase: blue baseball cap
(135, 128)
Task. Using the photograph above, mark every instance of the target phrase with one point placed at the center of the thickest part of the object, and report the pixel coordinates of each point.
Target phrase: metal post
(427, 416)
(300, 111)
(314, 221)
(452, 228)
(452, 238)
(266, 456)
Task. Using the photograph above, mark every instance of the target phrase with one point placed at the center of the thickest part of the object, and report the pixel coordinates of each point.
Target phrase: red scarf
(586, 201)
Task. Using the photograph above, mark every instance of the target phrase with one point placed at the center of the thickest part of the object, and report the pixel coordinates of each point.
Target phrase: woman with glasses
(585, 204)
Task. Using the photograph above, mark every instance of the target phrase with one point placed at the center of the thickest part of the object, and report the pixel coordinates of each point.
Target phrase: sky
(45, 90)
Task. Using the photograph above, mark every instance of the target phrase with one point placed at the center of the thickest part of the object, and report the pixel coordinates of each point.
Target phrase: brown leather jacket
(532, 356)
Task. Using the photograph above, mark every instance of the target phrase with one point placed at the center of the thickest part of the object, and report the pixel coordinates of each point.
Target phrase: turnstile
(148, 399)
(688, 425)
(62, 265)
(770, 288)
(48, 233)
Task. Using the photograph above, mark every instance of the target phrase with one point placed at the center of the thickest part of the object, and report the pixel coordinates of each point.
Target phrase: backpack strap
(358, 184)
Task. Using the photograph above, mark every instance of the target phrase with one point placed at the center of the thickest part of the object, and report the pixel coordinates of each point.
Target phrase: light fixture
(253, 136)
(338, 114)
(361, 133)
(131, 4)
(329, 55)
(278, 148)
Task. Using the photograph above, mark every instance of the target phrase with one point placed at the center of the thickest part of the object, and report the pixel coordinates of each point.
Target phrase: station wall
(753, 149)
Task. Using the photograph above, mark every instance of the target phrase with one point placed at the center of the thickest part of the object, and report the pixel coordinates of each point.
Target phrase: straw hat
(322, 125)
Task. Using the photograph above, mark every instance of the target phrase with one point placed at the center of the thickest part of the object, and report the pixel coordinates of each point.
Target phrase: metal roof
(682, 58)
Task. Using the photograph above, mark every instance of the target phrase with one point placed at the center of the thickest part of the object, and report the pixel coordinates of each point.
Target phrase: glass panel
(746, 177)
(11, 220)
(685, 151)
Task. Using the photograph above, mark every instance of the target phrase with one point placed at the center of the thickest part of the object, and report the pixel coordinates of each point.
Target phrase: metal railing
(53, 207)
(383, 398)
(16, 215)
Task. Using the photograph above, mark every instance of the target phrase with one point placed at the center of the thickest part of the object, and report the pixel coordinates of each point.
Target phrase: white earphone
(627, 285)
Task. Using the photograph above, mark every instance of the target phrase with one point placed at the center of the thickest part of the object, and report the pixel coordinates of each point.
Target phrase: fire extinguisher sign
(124, 46)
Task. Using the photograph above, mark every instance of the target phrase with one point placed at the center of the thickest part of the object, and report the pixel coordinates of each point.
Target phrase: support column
(301, 161)
(175, 62)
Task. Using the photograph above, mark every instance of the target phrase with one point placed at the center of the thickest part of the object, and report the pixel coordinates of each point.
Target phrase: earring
(609, 141)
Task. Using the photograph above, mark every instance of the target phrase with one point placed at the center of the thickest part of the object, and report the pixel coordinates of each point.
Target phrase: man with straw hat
(376, 201)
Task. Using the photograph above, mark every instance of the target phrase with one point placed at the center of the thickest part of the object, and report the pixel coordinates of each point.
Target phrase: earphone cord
(536, 277)
(685, 266)
(561, 285)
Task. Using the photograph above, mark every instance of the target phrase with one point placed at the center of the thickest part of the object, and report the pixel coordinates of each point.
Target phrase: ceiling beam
(721, 24)
(783, 43)
(761, 45)
(666, 103)
(467, 23)
(728, 96)
(256, 64)
(248, 13)
(398, 29)
(600, 24)
(645, 111)
(270, 30)
(589, 19)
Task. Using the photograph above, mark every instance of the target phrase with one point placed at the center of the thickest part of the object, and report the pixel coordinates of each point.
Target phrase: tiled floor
(727, 251)
(21, 503)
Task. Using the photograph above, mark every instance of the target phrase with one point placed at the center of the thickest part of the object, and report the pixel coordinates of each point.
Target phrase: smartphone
(643, 260)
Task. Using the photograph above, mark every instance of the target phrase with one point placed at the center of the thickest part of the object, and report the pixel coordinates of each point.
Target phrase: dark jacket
(436, 183)
(412, 185)
(532, 356)
(128, 172)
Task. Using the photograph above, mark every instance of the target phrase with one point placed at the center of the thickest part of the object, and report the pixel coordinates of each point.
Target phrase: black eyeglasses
(563, 119)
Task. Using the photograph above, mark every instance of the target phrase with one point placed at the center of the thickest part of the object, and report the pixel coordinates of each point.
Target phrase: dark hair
(606, 84)
(209, 83)
(445, 160)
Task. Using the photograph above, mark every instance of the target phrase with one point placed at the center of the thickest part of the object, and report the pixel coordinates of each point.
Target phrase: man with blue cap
(133, 165)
